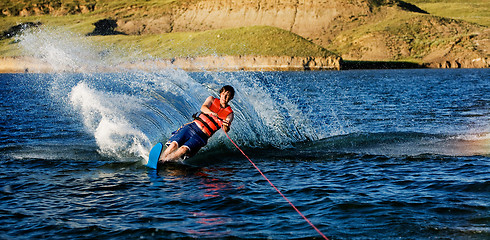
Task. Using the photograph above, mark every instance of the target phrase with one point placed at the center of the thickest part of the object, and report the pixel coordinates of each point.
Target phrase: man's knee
(172, 144)
(183, 149)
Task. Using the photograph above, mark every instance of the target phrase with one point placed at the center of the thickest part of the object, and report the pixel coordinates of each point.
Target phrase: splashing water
(129, 111)
(104, 117)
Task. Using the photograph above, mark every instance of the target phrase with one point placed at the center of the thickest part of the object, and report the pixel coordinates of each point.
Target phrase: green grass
(476, 11)
(81, 23)
(72, 6)
(245, 41)
(9, 49)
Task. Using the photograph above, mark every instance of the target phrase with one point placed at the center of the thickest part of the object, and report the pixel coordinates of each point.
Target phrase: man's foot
(154, 156)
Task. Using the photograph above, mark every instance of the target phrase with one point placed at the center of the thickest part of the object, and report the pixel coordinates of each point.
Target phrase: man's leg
(177, 154)
(170, 148)
(173, 152)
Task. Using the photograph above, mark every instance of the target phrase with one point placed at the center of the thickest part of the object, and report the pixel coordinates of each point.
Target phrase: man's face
(225, 97)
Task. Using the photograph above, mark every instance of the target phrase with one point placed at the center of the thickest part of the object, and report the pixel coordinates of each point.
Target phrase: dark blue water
(378, 154)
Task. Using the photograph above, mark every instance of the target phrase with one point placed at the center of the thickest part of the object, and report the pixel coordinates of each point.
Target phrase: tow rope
(290, 203)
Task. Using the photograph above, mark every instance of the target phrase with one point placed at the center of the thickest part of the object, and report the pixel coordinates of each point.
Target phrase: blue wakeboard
(154, 156)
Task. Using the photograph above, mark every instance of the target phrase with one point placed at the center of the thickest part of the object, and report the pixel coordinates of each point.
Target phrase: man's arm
(227, 122)
(205, 106)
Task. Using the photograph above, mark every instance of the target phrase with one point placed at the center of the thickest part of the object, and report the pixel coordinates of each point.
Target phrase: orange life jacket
(209, 123)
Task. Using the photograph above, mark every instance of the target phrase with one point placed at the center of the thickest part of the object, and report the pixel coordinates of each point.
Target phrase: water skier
(215, 114)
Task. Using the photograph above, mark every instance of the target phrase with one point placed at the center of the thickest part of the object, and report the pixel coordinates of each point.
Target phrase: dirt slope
(383, 30)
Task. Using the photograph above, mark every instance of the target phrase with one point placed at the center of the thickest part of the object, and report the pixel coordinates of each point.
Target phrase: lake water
(378, 154)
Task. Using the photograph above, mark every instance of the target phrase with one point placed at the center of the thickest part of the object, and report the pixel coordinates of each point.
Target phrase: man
(215, 114)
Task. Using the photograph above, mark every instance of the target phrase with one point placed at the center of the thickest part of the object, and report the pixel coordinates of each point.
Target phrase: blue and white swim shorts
(191, 136)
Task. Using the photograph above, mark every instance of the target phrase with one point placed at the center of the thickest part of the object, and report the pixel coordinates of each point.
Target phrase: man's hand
(225, 125)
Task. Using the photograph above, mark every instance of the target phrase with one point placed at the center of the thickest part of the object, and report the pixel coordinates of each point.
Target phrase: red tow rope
(290, 203)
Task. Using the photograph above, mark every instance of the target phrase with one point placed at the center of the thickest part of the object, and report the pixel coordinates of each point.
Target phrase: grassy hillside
(402, 36)
(476, 11)
(256, 40)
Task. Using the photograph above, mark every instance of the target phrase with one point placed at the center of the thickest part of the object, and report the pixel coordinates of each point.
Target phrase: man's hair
(228, 88)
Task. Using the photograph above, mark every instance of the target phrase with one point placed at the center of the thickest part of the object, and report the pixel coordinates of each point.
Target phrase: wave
(399, 144)
(129, 111)
(381, 146)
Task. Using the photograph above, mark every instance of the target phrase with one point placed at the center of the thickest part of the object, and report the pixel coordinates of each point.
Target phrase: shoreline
(206, 63)
(213, 63)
